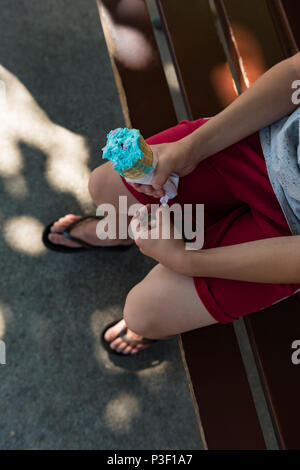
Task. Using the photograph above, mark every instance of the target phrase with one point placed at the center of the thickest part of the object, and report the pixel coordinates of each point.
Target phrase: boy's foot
(116, 342)
(85, 231)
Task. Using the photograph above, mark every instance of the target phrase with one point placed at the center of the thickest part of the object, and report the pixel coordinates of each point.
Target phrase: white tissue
(170, 186)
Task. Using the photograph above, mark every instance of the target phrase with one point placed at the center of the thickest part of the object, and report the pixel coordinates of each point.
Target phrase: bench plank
(291, 9)
(212, 355)
(271, 338)
(138, 70)
(198, 55)
(221, 390)
(255, 35)
(272, 332)
(281, 16)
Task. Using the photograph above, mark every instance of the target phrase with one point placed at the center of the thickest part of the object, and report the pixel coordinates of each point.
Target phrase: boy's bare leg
(165, 303)
(105, 186)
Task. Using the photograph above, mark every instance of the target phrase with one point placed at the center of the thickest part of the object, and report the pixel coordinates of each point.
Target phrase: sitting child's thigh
(228, 300)
(165, 303)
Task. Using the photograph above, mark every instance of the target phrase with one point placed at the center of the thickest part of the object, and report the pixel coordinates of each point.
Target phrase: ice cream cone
(142, 166)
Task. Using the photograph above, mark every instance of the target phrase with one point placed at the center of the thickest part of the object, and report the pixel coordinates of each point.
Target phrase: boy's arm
(273, 260)
(266, 101)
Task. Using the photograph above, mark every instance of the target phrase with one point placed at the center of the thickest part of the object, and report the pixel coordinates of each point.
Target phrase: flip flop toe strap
(133, 342)
(68, 229)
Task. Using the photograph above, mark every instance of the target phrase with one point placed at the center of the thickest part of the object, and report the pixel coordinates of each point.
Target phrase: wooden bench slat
(238, 74)
(221, 390)
(257, 41)
(219, 380)
(292, 12)
(272, 332)
(286, 34)
(139, 74)
(199, 57)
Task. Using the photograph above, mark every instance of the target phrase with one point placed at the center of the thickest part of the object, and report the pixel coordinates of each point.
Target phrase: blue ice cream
(123, 149)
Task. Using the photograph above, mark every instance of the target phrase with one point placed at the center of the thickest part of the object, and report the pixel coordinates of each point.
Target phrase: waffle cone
(136, 172)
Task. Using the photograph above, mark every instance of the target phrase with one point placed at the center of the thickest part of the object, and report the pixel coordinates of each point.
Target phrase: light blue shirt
(281, 146)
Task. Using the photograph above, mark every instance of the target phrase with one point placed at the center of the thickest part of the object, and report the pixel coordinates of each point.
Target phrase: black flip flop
(85, 246)
(122, 335)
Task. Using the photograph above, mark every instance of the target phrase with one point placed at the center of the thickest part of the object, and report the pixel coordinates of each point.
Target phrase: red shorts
(240, 206)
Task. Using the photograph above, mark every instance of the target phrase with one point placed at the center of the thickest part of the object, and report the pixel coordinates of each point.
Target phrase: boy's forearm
(274, 260)
(266, 101)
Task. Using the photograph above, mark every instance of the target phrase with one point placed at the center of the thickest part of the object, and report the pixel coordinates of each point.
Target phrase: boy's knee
(93, 186)
(138, 314)
(97, 184)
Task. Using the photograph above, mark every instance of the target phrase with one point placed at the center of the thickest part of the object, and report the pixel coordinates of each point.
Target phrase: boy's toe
(115, 343)
(134, 351)
(114, 331)
(127, 350)
(58, 239)
(122, 346)
(60, 224)
(118, 344)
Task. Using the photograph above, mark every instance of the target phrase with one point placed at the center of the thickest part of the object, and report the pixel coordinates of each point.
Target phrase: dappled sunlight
(11, 159)
(223, 84)
(23, 234)
(67, 169)
(2, 325)
(23, 121)
(251, 64)
(16, 186)
(6, 316)
(250, 54)
(171, 76)
(120, 412)
(98, 319)
(130, 46)
(133, 49)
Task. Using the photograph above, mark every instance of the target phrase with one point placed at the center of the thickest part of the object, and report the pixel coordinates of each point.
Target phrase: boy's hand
(159, 240)
(176, 157)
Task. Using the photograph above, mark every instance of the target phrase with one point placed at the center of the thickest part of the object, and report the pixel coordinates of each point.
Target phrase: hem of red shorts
(209, 302)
